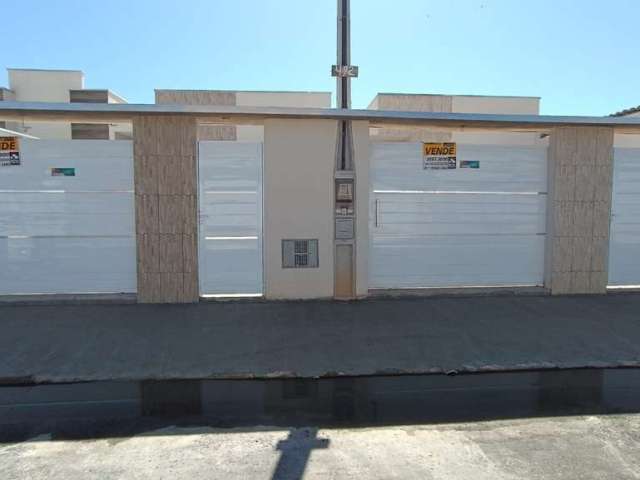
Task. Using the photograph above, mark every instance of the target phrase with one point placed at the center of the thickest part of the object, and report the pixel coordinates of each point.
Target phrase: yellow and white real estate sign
(9, 151)
(439, 156)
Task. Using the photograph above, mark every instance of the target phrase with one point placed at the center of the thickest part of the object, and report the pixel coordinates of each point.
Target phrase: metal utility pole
(344, 71)
(345, 179)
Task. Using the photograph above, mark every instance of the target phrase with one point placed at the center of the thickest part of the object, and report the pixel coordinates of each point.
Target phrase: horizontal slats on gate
(462, 227)
(230, 176)
(68, 234)
(624, 251)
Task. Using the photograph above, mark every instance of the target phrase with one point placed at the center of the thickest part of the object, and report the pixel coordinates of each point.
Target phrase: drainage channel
(104, 409)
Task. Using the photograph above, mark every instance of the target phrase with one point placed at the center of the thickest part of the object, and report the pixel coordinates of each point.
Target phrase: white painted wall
(45, 86)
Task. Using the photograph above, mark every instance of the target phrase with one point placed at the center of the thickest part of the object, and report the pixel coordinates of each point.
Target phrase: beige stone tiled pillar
(164, 149)
(579, 209)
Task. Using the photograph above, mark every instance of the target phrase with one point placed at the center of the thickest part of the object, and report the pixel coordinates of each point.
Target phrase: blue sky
(580, 56)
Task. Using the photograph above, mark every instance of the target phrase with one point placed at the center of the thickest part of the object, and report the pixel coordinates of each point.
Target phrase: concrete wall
(580, 187)
(299, 160)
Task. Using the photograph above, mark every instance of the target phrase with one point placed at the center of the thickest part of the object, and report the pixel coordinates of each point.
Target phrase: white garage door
(230, 247)
(461, 227)
(624, 251)
(69, 230)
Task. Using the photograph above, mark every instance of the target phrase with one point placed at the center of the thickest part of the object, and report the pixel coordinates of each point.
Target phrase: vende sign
(439, 149)
(9, 144)
(439, 156)
(9, 151)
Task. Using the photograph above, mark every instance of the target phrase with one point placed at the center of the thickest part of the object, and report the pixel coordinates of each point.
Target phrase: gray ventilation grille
(300, 253)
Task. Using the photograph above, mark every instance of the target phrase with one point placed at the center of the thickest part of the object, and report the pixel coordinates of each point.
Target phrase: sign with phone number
(439, 156)
(9, 151)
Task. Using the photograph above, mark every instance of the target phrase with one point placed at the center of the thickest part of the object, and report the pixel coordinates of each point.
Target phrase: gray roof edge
(130, 109)
(57, 70)
(238, 91)
(529, 97)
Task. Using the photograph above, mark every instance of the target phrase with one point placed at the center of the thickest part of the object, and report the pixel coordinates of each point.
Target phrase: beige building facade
(60, 86)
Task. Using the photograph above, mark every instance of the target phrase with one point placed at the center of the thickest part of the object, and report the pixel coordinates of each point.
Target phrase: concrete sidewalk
(315, 339)
(585, 448)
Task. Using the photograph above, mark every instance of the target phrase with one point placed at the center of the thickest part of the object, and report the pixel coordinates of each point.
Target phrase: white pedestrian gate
(230, 212)
(67, 218)
(624, 247)
(483, 225)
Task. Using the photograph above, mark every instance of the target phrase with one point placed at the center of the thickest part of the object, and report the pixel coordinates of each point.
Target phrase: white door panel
(460, 214)
(398, 166)
(408, 261)
(55, 265)
(624, 249)
(459, 227)
(230, 209)
(66, 213)
(68, 234)
(101, 166)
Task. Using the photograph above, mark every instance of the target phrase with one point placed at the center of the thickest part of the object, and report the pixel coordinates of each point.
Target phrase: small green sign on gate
(63, 172)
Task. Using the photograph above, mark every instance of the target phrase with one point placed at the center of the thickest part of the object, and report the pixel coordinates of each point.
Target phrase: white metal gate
(624, 249)
(230, 212)
(481, 226)
(67, 218)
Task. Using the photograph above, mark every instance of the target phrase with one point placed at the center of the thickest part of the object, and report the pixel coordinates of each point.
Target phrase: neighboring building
(60, 86)
(456, 103)
(6, 95)
(627, 140)
(33, 85)
(241, 133)
(451, 104)
(629, 112)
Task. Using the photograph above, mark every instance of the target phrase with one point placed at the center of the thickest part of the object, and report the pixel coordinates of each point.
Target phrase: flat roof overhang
(88, 112)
